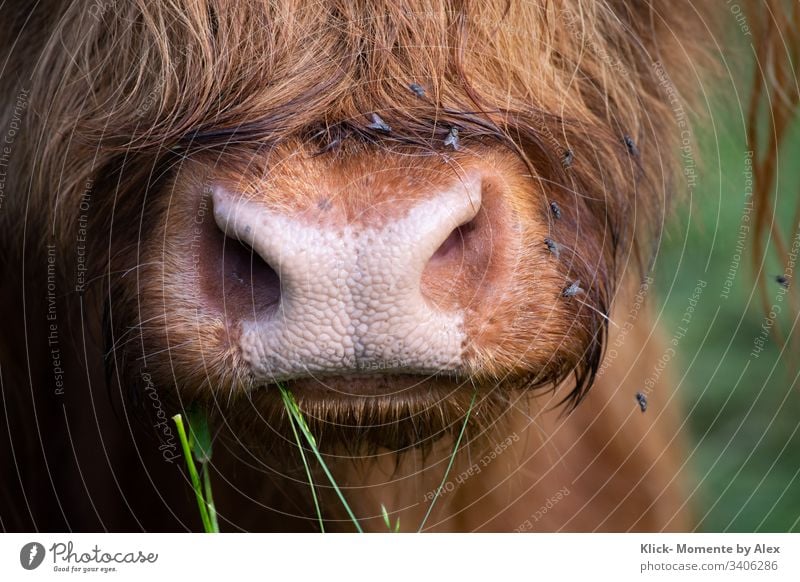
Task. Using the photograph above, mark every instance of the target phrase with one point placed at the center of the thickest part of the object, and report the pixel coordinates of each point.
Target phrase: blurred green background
(743, 412)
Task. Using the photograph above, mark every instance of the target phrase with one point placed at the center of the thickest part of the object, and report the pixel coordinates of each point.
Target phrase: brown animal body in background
(353, 199)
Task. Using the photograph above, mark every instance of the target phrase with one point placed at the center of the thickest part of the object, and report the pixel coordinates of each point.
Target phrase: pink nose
(343, 298)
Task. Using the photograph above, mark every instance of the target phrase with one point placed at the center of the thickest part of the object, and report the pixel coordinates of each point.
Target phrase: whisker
(600, 313)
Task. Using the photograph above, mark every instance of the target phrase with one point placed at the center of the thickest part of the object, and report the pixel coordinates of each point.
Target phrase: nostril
(249, 282)
(453, 274)
(454, 244)
(467, 268)
(241, 280)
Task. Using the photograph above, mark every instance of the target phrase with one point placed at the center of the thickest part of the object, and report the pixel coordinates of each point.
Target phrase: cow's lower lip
(372, 384)
(393, 411)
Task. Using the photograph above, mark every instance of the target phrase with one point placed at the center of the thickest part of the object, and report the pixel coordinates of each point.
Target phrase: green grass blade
(199, 434)
(308, 471)
(450, 464)
(386, 519)
(195, 478)
(209, 500)
(293, 409)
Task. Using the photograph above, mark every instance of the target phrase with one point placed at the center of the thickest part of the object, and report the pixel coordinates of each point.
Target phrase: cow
(430, 222)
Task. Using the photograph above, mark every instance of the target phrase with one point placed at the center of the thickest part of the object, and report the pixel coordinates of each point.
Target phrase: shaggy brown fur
(130, 109)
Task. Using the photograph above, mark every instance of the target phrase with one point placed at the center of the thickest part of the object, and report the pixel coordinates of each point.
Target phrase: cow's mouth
(373, 383)
(366, 411)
